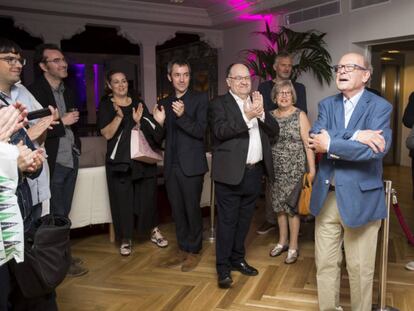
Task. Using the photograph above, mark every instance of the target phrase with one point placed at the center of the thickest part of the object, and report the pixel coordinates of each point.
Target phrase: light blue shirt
(349, 107)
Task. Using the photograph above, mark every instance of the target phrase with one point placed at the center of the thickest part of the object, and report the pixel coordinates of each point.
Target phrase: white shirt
(255, 151)
(39, 186)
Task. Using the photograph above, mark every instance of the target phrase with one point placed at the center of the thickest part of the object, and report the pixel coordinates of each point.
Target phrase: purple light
(79, 82)
(239, 5)
(256, 17)
(251, 57)
(96, 84)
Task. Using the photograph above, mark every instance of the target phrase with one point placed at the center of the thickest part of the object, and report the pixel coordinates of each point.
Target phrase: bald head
(238, 80)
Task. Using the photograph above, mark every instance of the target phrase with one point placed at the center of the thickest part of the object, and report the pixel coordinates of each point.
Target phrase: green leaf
(308, 49)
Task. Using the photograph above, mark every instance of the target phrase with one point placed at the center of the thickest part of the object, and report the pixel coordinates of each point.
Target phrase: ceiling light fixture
(177, 1)
(393, 51)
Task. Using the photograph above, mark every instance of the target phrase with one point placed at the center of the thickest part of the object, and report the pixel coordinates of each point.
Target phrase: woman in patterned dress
(291, 159)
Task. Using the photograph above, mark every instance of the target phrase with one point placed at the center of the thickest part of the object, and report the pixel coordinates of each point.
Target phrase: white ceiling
(201, 4)
(218, 14)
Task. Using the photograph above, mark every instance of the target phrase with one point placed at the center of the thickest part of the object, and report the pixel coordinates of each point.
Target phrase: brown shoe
(76, 270)
(190, 262)
(265, 228)
(176, 260)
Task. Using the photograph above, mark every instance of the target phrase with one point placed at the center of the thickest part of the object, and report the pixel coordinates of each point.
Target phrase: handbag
(141, 150)
(47, 256)
(305, 196)
(409, 142)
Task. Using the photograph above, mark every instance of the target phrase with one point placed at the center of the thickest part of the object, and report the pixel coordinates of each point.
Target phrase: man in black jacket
(185, 163)
(241, 155)
(62, 143)
(408, 121)
(283, 68)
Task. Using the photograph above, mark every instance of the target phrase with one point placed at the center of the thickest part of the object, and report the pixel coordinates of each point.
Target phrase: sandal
(278, 249)
(125, 249)
(157, 238)
(292, 256)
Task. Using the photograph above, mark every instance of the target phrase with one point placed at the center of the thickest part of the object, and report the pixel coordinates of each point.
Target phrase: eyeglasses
(239, 78)
(348, 67)
(284, 93)
(12, 61)
(57, 61)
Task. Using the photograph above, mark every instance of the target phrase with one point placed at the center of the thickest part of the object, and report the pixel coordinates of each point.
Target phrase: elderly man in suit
(353, 134)
(241, 154)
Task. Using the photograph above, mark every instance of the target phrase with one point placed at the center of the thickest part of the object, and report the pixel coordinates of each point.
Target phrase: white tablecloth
(90, 203)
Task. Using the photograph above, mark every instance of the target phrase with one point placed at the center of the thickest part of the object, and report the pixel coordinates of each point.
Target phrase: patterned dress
(289, 162)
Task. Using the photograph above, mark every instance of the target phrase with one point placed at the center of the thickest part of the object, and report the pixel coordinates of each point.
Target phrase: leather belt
(253, 166)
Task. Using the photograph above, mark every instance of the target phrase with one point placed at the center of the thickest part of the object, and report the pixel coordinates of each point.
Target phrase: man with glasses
(283, 65)
(14, 96)
(353, 134)
(241, 129)
(62, 143)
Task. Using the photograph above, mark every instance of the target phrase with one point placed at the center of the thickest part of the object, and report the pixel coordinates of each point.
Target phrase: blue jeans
(62, 187)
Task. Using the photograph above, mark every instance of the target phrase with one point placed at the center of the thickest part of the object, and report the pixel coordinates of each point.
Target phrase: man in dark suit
(408, 121)
(353, 134)
(185, 163)
(241, 154)
(62, 143)
(283, 69)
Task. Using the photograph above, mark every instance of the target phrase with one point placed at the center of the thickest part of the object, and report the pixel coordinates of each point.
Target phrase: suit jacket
(184, 141)
(231, 140)
(408, 117)
(42, 91)
(265, 88)
(357, 170)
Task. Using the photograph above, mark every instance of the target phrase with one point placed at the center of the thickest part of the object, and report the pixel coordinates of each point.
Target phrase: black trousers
(5, 287)
(235, 209)
(412, 173)
(12, 299)
(62, 188)
(132, 202)
(184, 194)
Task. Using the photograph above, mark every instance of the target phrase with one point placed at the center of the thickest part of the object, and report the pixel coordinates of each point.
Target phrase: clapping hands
(137, 113)
(12, 119)
(178, 107)
(255, 110)
(159, 114)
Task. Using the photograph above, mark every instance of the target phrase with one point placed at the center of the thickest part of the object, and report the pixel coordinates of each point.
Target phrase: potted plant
(308, 49)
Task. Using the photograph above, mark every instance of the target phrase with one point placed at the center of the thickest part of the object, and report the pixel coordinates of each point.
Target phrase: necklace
(284, 113)
(125, 103)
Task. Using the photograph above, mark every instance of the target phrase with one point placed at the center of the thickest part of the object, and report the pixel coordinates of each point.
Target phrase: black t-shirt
(106, 115)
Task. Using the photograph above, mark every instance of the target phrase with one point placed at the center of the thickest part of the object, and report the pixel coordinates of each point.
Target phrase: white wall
(235, 40)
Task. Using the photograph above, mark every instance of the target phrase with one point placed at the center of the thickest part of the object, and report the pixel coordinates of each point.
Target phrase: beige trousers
(360, 250)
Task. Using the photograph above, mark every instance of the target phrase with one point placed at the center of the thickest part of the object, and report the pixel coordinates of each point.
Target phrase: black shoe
(224, 280)
(245, 268)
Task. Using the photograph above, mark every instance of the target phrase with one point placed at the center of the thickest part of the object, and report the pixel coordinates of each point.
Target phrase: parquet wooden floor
(141, 282)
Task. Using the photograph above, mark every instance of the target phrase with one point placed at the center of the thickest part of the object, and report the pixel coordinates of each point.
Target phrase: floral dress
(289, 162)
